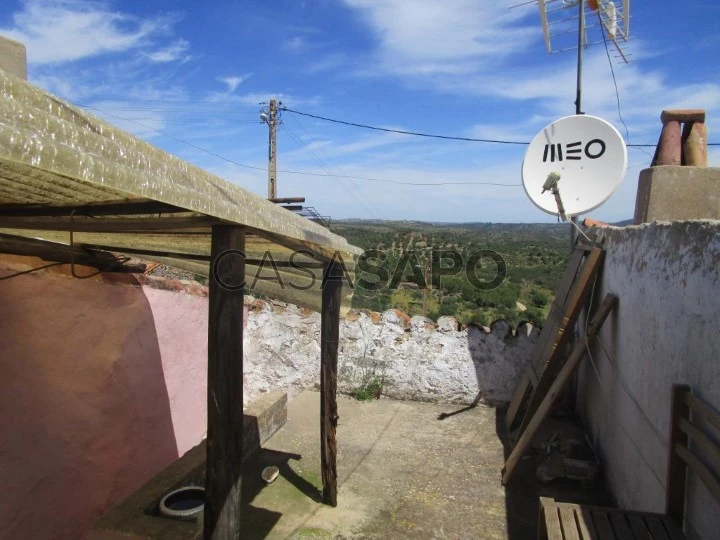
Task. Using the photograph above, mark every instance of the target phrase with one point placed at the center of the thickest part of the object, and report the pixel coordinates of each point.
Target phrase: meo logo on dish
(574, 150)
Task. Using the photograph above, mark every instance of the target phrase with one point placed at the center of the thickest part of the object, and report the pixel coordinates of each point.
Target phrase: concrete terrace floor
(402, 473)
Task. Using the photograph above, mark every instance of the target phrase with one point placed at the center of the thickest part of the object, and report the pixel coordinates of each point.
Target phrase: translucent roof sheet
(53, 153)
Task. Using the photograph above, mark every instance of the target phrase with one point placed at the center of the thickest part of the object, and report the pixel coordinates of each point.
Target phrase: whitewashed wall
(664, 331)
(415, 358)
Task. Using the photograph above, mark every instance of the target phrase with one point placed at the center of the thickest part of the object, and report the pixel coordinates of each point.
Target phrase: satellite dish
(263, 117)
(587, 153)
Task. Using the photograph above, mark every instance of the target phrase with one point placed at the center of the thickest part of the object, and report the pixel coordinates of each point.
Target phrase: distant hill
(534, 255)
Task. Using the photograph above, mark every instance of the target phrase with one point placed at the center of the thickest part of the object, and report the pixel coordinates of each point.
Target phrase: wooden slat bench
(565, 521)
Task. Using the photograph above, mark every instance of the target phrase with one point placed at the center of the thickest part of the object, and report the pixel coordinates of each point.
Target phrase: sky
(190, 77)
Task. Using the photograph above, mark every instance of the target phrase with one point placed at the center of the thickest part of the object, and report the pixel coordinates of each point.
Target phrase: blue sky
(196, 71)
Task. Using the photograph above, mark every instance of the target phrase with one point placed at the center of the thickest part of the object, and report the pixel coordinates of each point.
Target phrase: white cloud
(176, 51)
(470, 47)
(56, 31)
(330, 62)
(295, 44)
(234, 81)
(255, 98)
(451, 37)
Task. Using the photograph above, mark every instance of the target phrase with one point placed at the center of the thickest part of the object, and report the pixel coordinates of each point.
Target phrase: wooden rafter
(135, 225)
(62, 253)
(104, 208)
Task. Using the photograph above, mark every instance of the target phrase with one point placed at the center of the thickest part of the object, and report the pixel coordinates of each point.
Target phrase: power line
(305, 173)
(322, 165)
(353, 188)
(402, 132)
(435, 136)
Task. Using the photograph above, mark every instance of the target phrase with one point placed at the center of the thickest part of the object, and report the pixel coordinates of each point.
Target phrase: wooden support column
(329, 338)
(224, 385)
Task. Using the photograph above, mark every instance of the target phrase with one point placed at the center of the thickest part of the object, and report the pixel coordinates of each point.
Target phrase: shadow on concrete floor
(444, 415)
(253, 483)
(257, 522)
(402, 474)
(523, 492)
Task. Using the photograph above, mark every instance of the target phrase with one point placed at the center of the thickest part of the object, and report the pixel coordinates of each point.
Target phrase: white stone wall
(415, 359)
(664, 331)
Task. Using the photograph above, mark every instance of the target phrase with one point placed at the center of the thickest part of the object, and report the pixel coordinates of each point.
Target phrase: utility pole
(272, 119)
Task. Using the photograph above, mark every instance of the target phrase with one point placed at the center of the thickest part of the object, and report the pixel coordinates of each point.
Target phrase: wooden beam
(547, 338)
(558, 384)
(103, 208)
(552, 359)
(62, 253)
(287, 200)
(204, 258)
(108, 224)
(150, 253)
(294, 244)
(224, 385)
(329, 336)
(677, 470)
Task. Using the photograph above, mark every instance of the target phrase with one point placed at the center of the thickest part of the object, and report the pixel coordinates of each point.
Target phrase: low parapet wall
(411, 358)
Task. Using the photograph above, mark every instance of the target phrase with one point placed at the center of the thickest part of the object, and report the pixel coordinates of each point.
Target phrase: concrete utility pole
(271, 119)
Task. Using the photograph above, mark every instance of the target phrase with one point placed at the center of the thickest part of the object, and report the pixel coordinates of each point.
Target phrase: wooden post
(329, 338)
(677, 470)
(224, 385)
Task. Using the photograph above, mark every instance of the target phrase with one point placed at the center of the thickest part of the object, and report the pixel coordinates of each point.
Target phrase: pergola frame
(225, 322)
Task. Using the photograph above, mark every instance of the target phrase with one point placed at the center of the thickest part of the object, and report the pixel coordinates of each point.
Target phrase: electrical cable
(31, 270)
(435, 136)
(322, 165)
(305, 173)
(403, 132)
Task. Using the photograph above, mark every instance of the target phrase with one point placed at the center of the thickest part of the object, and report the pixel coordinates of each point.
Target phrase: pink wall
(103, 384)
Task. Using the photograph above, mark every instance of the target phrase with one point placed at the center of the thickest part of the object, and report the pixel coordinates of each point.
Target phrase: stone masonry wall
(415, 358)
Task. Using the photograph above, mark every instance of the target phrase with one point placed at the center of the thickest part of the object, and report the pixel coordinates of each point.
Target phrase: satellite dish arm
(552, 184)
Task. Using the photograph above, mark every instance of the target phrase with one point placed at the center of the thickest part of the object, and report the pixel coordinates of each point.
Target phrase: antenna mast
(580, 47)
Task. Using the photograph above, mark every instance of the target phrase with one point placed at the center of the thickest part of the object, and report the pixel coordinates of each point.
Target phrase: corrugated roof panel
(53, 153)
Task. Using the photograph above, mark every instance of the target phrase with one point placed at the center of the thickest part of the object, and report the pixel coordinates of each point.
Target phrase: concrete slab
(403, 473)
(675, 193)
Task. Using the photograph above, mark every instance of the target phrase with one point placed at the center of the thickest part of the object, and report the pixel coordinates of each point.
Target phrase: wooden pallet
(547, 356)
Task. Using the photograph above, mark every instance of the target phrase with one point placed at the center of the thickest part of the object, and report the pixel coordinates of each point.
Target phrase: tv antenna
(560, 24)
(562, 19)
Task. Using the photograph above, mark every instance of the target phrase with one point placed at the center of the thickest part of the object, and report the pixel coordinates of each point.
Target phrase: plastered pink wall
(103, 385)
